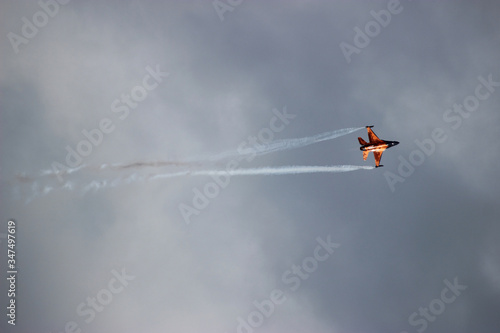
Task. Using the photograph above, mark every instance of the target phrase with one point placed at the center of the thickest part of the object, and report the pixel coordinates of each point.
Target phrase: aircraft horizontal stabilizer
(361, 141)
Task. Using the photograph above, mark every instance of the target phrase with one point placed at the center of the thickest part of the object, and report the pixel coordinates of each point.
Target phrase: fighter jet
(376, 145)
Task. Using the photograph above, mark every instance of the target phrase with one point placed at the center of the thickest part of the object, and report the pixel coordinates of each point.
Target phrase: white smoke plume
(283, 145)
(261, 149)
(88, 177)
(266, 171)
(99, 184)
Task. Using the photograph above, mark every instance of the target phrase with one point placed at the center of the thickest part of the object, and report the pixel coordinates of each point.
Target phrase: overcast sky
(413, 246)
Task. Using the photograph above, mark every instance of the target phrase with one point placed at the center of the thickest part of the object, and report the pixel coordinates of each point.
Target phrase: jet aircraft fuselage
(379, 147)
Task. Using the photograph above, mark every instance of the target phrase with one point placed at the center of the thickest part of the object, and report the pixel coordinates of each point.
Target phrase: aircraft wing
(378, 156)
(365, 155)
(373, 137)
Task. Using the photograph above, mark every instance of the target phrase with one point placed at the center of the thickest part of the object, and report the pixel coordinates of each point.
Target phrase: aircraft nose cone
(396, 143)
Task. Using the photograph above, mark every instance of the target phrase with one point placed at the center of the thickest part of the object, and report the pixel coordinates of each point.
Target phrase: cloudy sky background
(225, 78)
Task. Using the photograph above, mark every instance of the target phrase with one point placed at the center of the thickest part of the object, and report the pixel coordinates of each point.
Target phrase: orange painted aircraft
(376, 145)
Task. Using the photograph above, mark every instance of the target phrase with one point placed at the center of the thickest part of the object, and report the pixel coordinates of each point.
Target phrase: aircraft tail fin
(361, 141)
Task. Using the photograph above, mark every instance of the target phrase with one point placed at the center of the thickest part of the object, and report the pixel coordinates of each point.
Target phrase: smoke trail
(266, 171)
(95, 184)
(100, 172)
(115, 166)
(283, 145)
(260, 149)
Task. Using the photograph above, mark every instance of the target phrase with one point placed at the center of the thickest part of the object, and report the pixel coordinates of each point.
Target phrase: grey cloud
(225, 78)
